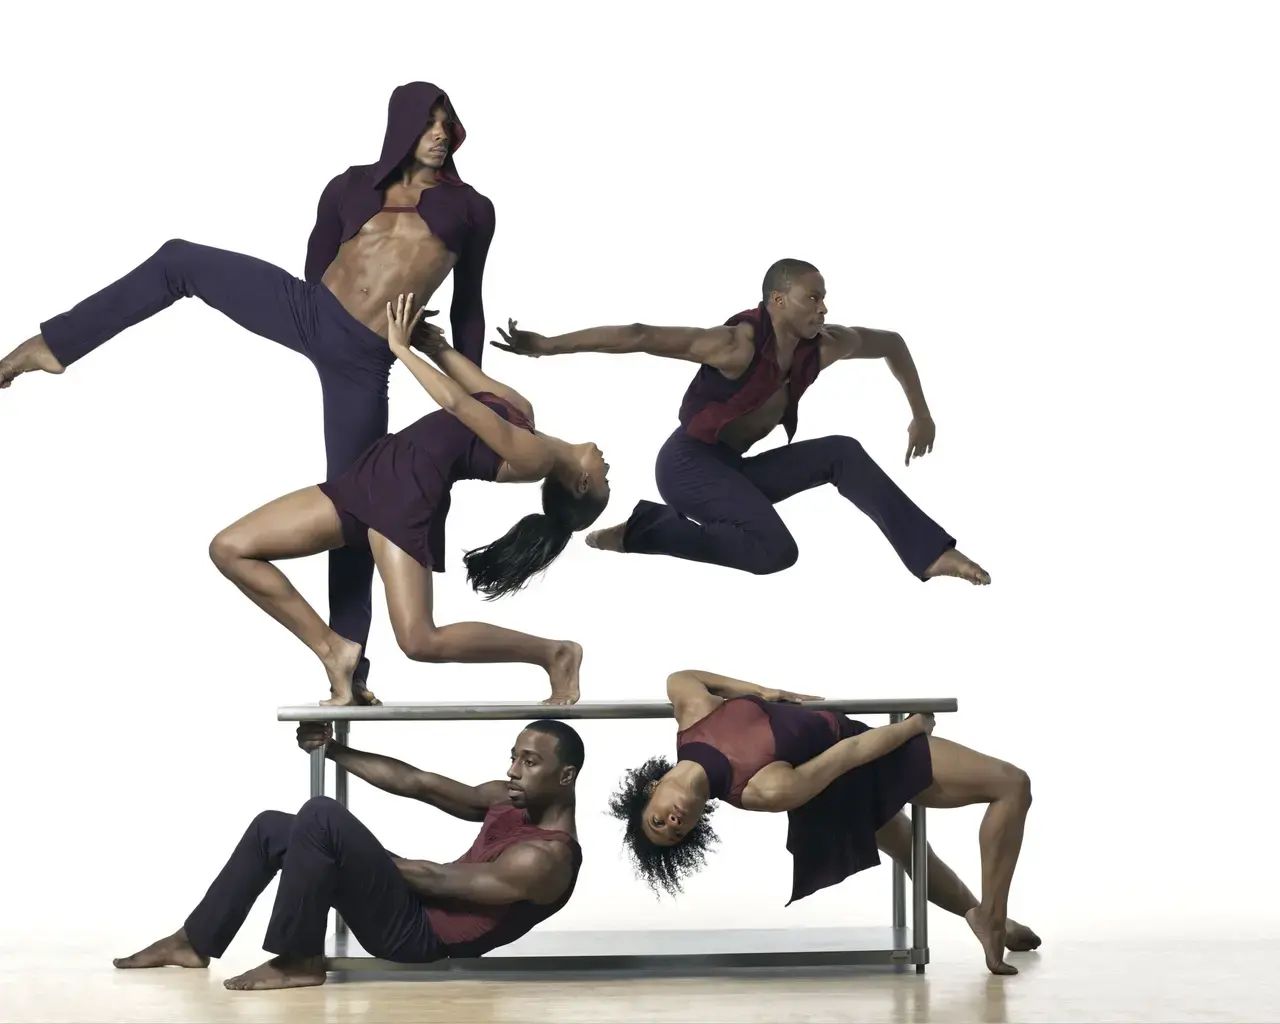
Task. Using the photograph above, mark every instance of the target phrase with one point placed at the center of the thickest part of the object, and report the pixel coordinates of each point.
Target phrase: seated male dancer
(842, 786)
(365, 249)
(520, 870)
(754, 370)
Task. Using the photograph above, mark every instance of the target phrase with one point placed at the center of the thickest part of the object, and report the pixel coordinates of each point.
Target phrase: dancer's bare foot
(1018, 938)
(340, 663)
(363, 694)
(608, 539)
(992, 937)
(953, 563)
(563, 670)
(32, 354)
(280, 972)
(174, 951)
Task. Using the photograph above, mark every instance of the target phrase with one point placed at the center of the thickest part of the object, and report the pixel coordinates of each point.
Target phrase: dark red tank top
(712, 400)
(473, 929)
(746, 733)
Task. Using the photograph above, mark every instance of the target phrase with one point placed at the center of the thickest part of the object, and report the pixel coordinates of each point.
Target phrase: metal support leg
(342, 734)
(919, 889)
(899, 873)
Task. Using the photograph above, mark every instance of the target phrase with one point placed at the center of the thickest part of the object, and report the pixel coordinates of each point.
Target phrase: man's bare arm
(538, 871)
(727, 349)
(865, 343)
(470, 803)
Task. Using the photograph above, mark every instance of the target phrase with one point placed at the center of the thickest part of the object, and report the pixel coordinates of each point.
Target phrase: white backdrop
(1071, 217)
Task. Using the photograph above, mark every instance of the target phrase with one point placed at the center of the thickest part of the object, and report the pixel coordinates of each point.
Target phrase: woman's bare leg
(961, 777)
(294, 526)
(408, 586)
(946, 889)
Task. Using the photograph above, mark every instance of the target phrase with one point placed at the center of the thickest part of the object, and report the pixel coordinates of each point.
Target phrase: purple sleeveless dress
(834, 835)
(401, 485)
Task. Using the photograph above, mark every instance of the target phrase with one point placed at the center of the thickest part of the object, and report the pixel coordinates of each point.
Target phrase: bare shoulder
(544, 864)
(838, 343)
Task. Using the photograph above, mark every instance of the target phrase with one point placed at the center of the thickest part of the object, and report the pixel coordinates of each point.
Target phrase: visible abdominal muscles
(392, 254)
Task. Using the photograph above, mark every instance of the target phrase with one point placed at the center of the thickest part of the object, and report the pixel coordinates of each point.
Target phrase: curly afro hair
(662, 867)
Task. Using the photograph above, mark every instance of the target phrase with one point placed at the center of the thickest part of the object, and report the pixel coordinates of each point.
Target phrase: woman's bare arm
(779, 787)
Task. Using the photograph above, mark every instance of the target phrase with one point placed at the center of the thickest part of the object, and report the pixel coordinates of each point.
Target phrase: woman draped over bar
(843, 786)
(394, 500)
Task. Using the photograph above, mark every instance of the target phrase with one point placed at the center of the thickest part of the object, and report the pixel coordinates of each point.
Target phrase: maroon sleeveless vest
(713, 400)
(473, 929)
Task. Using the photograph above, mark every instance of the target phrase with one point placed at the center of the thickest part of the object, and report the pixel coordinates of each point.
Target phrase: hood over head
(408, 115)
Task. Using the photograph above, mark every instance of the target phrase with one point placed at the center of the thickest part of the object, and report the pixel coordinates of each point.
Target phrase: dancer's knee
(771, 555)
(268, 822)
(318, 811)
(173, 251)
(227, 548)
(1015, 784)
(420, 643)
(844, 449)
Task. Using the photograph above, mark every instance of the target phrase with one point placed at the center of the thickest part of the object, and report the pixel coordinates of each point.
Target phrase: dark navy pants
(353, 363)
(326, 858)
(719, 504)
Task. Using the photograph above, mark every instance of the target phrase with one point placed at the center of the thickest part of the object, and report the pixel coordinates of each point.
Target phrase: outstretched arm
(466, 313)
(536, 871)
(728, 349)
(430, 341)
(386, 773)
(779, 787)
(529, 456)
(865, 343)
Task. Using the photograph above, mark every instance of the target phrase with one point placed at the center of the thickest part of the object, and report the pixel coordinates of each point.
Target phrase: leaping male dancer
(754, 370)
(367, 247)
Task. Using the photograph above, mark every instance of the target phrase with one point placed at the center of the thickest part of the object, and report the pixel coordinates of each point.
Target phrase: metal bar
(919, 889)
(342, 734)
(899, 872)
(574, 712)
(317, 772)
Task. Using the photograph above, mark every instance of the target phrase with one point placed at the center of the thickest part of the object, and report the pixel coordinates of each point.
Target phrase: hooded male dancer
(397, 226)
(520, 870)
(754, 370)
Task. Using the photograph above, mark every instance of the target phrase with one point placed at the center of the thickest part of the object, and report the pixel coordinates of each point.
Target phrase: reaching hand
(787, 697)
(428, 338)
(522, 343)
(924, 722)
(313, 735)
(399, 324)
(920, 436)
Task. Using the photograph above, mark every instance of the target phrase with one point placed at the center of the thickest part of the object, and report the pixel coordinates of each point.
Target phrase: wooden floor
(1094, 982)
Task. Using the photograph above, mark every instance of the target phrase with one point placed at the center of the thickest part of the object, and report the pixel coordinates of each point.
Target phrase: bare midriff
(393, 253)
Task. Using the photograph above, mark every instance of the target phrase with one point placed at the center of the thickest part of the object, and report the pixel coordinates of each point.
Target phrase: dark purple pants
(353, 363)
(731, 497)
(326, 858)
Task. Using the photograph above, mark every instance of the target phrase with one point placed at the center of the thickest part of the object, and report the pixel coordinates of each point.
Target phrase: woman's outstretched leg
(408, 587)
(294, 526)
(961, 777)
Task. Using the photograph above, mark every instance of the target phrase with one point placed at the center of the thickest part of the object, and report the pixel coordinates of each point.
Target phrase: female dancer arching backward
(394, 500)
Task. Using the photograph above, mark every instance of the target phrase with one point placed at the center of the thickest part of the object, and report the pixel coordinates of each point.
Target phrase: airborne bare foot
(953, 563)
(32, 354)
(609, 539)
(1018, 938)
(280, 972)
(340, 664)
(992, 938)
(563, 670)
(174, 951)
